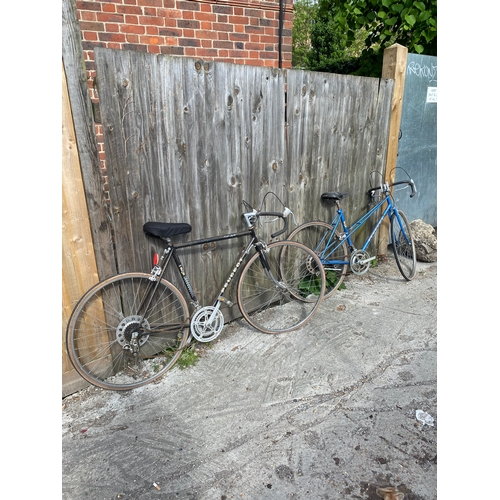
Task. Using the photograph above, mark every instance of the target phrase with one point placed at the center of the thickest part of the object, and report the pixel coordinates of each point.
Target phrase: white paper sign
(432, 94)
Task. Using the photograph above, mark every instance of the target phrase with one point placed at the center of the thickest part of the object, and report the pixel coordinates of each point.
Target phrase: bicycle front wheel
(403, 246)
(281, 289)
(326, 243)
(113, 345)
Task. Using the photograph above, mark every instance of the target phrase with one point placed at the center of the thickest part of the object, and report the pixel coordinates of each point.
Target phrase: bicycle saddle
(166, 229)
(334, 196)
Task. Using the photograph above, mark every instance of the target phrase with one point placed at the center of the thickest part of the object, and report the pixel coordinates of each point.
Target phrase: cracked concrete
(326, 412)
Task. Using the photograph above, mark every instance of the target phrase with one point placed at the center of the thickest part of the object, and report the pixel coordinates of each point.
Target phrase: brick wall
(236, 31)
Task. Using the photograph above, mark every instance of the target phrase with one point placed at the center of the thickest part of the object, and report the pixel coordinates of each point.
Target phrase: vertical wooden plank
(337, 131)
(78, 261)
(187, 141)
(86, 141)
(394, 67)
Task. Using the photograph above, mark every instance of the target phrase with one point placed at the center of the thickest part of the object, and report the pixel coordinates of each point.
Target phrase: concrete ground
(326, 412)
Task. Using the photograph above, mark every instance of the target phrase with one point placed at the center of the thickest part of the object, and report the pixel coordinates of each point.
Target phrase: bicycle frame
(347, 232)
(171, 252)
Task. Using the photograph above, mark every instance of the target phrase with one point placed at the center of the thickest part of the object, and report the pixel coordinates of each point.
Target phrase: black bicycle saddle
(166, 229)
(334, 196)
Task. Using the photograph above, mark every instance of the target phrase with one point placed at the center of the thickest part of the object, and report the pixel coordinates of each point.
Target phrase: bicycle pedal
(226, 301)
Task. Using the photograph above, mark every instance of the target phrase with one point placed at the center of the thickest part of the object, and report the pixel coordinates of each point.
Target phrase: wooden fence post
(394, 67)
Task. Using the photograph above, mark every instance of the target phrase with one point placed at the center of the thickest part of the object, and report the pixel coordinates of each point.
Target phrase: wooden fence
(189, 140)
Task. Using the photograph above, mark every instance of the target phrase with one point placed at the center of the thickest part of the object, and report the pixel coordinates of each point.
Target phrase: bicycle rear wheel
(403, 246)
(281, 290)
(111, 345)
(319, 236)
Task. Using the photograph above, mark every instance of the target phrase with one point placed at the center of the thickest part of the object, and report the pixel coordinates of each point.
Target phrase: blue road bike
(333, 242)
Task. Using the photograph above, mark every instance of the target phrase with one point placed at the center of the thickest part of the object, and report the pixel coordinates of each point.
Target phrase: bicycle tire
(276, 308)
(101, 325)
(404, 252)
(315, 235)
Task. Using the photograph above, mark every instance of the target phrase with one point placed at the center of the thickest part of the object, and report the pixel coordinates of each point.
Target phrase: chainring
(206, 324)
(358, 266)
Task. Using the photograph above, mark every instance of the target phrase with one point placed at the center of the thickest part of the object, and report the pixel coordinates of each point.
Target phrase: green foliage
(303, 13)
(385, 22)
(313, 284)
(189, 357)
(310, 285)
(328, 45)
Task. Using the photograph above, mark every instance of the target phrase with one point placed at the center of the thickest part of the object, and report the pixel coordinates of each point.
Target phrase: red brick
(176, 14)
(239, 54)
(187, 42)
(172, 50)
(194, 25)
(89, 36)
(170, 32)
(111, 37)
(151, 21)
(239, 37)
(129, 9)
(152, 30)
(183, 5)
(253, 12)
(269, 39)
(253, 29)
(222, 27)
(223, 45)
(206, 53)
(130, 28)
(269, 55)
(136, 46)
(205, 16)
(150, 40)
(91, 45)
(206, 34)
(132, 39)
(108, 7)
(150, 3)
(87, 16)
(88, 26)
(254, 46)
(222, 9)
(82, 5)
(238, 20)
(112, 28)
(131, 19)
(110, 18)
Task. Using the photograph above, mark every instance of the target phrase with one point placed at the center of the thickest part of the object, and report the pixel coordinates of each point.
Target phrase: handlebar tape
(410, 183)
(275, 214)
